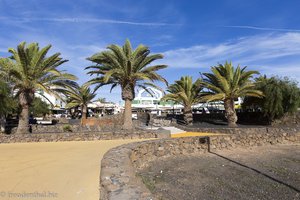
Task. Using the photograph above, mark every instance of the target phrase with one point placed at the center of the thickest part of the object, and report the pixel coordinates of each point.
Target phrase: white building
(104, 108)
(146, 101)
(151, 100)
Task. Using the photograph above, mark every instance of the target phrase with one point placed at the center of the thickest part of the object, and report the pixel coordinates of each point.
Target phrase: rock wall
(79, 136)
(226, 130)
(106, 123)
(108, 120)
(118, 179)
(288, 120)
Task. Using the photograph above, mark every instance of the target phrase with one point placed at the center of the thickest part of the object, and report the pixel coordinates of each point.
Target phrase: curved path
(46, 170)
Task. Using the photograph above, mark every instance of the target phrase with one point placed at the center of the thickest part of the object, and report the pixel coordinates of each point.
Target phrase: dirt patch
(268, 172)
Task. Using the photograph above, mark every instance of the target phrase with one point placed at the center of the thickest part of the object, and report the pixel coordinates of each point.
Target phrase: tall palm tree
(187, 93)
(29, 69)
(79, 96)
(227, 83)
(127, 68)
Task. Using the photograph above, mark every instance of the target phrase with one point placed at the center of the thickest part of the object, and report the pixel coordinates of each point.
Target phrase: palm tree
(127, 68)
(80, 96)
(28, 70)
(187, 93)
(227, 84)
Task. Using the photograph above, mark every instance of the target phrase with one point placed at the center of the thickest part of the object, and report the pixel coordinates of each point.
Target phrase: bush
(67, 128)
(282, 96)
(8, 104)
(39, 108)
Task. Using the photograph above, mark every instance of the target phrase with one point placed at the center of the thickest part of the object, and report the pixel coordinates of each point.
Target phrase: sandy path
(62, 170)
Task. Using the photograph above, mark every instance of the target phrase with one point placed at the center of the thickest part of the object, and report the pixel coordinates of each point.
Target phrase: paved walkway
(61, 171)
(173, 130)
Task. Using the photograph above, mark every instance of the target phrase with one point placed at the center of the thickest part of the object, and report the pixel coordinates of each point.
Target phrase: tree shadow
(252, 169)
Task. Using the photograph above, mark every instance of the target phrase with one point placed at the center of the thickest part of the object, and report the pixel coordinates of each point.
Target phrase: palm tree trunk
(127, 115)
(84, 112)
(230, 113)
(188, 115)
(25, 99)
(128, 95)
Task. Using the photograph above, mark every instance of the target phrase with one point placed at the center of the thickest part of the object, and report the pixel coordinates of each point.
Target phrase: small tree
(282, 95)
(187, 93)
(39, 107)
(6, 99)
(7, 103)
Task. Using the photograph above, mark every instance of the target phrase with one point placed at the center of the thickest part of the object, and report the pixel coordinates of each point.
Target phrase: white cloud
(271, 54)
(85, 20)
(254, 50)
(264, 28)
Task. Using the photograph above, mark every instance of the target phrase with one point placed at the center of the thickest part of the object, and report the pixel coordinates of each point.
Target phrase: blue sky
(193, 35)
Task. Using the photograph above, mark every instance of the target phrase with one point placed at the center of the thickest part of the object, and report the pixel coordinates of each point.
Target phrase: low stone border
(72, 136)
(240, 130)
(118, 178)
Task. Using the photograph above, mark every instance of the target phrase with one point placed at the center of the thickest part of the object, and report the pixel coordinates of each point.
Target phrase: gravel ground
(268, 172)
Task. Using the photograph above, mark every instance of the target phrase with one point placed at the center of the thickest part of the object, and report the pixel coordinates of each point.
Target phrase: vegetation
(227, 83)
(127, 68)
(7, 103)
(80, 96)
(39, 107)
(102, 100)
(187, 93)
(282, 96)
(67, 128)
(28, 69)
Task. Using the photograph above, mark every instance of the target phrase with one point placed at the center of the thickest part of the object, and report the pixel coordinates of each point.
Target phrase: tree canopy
(29, 69)
(187, 93)
(128, 68)
(227, 83)
(281, 95)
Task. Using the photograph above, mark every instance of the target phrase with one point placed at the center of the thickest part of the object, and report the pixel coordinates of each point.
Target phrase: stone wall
(244, 130)
(60, 128)
(118, 178)
(79, 136)
(160, 122)
(108, 120)
(106, 123)
(288, 120)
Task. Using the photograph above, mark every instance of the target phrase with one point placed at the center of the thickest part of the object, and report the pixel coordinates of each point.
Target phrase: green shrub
(67, 128)
(39, 108)
(281, 96)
